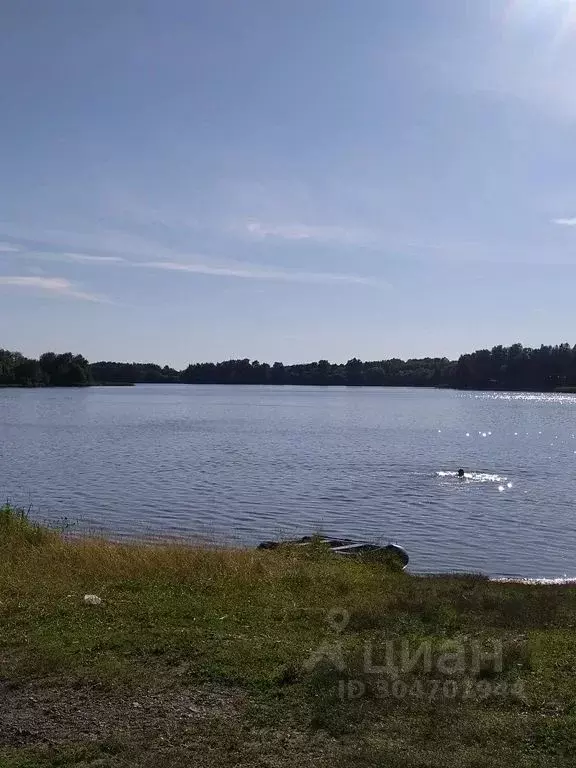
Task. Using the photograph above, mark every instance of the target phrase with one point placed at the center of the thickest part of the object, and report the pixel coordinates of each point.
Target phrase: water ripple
(240, 465)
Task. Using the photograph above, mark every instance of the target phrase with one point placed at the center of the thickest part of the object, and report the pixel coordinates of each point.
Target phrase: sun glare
(560, 15)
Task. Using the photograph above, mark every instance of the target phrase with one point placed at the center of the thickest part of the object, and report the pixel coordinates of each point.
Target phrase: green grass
(205, 656)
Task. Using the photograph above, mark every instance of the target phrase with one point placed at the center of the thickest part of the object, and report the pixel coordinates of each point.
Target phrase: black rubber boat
(347, 547)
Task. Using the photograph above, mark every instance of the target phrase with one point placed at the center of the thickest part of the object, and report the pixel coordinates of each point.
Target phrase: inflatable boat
(347, 547)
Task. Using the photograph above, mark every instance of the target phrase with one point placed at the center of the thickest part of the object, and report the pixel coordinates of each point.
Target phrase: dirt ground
(59, 724)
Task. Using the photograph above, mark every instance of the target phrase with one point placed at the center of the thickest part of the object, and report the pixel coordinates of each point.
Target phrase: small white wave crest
(518, 580)
(477, 477)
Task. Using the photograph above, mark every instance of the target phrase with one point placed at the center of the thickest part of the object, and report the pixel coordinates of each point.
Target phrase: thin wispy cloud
(50, 252)
(83, 240)
(315, 233)
(260, 273)
(177, 261)
(565, 222)
(86, 258)
(51, 286)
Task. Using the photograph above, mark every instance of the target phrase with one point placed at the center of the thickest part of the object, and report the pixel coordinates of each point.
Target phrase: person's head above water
(460, 473)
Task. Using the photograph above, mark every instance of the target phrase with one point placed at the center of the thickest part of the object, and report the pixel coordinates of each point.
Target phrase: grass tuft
(17, 529)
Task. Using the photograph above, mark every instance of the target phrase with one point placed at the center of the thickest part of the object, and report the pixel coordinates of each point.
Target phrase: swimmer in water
(460, 473)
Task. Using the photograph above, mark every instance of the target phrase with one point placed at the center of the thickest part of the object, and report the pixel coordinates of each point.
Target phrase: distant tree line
(68, 370)
(50, 370)
(133, 373)
(547, 368)
(426, 372)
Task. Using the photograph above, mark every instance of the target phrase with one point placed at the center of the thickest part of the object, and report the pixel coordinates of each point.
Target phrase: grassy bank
(209, 657)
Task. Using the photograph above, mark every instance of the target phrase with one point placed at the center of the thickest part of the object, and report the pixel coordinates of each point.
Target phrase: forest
(546, 368)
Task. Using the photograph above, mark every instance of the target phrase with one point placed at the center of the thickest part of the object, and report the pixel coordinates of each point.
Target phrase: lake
(243, 464)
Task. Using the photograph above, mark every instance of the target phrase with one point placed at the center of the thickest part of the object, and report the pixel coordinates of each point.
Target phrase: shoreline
(96, 385)
(70, 529)
(192, 541)
(118, 655)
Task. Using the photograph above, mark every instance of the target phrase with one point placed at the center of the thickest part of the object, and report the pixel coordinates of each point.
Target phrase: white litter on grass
(92, 600)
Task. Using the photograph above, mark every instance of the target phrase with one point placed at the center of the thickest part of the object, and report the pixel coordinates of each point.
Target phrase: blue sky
(188, 181)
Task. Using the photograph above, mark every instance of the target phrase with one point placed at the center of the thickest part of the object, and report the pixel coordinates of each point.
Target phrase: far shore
(558, 390)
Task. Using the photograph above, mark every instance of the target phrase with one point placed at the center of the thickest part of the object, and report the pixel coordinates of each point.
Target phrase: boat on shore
(345, 547)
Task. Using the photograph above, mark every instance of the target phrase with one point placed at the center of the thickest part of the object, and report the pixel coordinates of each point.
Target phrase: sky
(187, 181)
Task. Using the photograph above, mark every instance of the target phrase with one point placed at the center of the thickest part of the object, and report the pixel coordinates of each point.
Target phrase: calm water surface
(249, 463)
